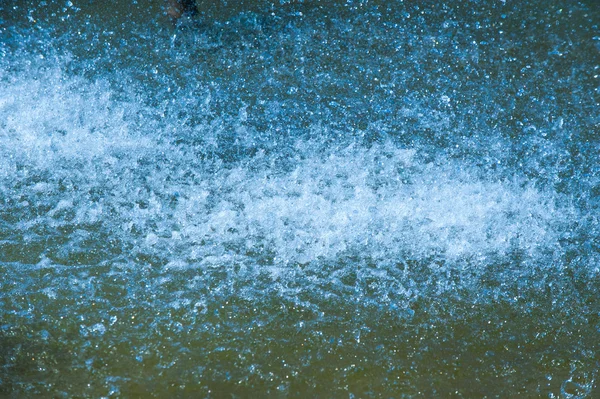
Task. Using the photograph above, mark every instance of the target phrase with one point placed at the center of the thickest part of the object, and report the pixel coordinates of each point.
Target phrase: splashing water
(301, 199)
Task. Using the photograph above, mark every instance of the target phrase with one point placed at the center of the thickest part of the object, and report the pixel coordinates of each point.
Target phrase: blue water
(305, 199)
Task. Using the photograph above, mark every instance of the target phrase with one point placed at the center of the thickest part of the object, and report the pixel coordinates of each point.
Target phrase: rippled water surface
(300, 199)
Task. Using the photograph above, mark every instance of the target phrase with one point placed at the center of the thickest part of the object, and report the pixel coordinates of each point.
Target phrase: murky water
(300, 199)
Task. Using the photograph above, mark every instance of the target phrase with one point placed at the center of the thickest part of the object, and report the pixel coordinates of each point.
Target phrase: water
(305, 199)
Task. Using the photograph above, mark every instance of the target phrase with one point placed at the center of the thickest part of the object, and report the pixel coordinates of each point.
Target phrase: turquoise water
(300, 199)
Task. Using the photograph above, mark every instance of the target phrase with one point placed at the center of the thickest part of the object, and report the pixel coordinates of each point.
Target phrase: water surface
(300, 199)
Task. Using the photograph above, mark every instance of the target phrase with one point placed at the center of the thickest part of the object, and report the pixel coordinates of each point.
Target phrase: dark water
(300, 199)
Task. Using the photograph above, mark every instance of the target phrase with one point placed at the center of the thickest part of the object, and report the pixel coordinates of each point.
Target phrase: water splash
(289, 200)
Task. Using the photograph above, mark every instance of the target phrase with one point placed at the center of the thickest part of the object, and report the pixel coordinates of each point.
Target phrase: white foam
(50, 118)
(382, 203)
(357, 202)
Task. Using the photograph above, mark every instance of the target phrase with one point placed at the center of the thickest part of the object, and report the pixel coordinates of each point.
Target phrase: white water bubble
(151, 239)
(98, 329)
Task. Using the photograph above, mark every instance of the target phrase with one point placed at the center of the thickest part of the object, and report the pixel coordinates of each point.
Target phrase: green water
(300, 199)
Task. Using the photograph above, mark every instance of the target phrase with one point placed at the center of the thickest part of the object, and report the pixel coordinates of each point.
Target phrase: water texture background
(300, 199)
